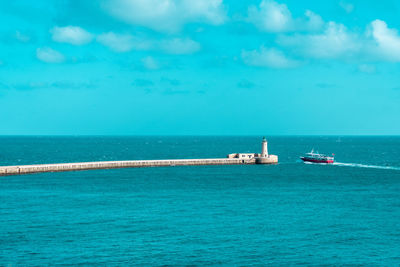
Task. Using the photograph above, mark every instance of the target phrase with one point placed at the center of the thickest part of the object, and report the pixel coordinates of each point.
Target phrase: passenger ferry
(317, 158)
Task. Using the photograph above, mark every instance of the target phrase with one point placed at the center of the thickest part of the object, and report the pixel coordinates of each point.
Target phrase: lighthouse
(264, 157)
(257, 158)
(264, 149)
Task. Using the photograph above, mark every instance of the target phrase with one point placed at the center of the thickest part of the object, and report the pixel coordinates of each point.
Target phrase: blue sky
(184, 67)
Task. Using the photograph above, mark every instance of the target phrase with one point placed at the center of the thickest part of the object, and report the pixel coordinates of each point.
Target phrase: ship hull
(316, 160)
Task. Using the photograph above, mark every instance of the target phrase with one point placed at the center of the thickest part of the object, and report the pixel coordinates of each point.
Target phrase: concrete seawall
(25, 169)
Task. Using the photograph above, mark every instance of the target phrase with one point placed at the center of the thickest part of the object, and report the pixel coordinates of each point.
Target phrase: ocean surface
(286, 214)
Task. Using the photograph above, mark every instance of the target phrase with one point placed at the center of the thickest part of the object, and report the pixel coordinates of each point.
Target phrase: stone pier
(232, 159)
(25, 169)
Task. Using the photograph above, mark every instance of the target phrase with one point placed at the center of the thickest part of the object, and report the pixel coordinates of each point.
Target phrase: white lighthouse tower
(264, 157)
(264, 149)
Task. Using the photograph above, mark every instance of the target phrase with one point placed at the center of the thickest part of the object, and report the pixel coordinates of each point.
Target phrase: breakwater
(232, 159)
(60, 167)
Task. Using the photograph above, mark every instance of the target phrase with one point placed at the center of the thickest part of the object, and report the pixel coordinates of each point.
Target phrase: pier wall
(25, 169)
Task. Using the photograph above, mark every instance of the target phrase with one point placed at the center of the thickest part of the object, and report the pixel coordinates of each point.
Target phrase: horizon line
(199, 135)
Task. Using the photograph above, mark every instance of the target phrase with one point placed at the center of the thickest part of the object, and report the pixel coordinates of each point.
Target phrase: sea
(343, 214)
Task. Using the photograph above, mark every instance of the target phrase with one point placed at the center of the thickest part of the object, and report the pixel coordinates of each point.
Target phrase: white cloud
(22, 37)
(386, 41)
(71, 34)
(380, 43)
(123, 42)
(334, 42)
(166, 15)
(348, 7)
(150, 63)
(127, 42)
(312, 22)
(271, 16)
(180, 46)
(267, 57)
(49, 55)
(366, 68)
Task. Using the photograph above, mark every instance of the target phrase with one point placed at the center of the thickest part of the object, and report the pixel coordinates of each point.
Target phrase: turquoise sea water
(286, 214)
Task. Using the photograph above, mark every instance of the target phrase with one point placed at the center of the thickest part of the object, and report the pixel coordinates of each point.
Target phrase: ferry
(317, 158)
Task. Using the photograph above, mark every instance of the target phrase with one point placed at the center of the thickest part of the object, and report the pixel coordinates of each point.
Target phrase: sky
(209, 67)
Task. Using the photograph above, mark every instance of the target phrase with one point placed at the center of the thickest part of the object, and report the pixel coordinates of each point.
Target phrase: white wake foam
(357, 165)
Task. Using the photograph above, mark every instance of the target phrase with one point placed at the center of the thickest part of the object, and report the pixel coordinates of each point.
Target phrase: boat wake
(357, 165)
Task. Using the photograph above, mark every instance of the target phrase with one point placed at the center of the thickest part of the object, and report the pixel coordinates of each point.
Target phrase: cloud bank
(304, 38)
(377, 43)
(309, 37)
(128, 42)
(334, 42)
(273, 17)
(166, 15)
